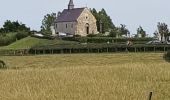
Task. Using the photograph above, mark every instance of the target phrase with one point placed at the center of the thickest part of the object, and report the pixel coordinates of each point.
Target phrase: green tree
(103, 20)
(47, 22)
(123, 30)
(14, 26)
(113, 32)
(163, 30)
(140, 31)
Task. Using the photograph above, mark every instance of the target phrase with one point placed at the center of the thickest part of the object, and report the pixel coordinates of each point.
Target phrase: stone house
(75, 21)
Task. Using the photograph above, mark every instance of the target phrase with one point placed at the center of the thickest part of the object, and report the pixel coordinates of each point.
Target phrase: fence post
(150, 96)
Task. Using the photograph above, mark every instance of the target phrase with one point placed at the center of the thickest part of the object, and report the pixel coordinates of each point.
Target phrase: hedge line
(107, 39)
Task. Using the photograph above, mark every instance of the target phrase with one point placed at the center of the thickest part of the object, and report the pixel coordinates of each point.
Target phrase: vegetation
(13, 27)
(7, 39)
(2, 65)
(108, 39)
(167, 56)
(104, 22)
(12, 31)
(29, 42)
(122, 31)
(141, 32)
(47, 22)
(163, 31)
(128, 76)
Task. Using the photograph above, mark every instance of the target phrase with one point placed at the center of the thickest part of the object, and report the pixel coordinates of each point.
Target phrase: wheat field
(126, 76)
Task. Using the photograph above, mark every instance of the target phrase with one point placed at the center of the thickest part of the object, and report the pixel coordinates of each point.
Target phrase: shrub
(8, 39)
(91, 35)
(21, 35)
(77, 35)
(112, 33)
(2, 65)
(167, 56)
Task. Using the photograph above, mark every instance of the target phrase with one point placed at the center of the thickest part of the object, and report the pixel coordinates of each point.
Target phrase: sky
(132, 13)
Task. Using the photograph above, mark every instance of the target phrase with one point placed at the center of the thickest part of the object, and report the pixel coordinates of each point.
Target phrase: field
(126, 76)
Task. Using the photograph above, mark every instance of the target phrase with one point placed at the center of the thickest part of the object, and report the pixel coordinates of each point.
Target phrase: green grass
(29, 42)
(126, 76)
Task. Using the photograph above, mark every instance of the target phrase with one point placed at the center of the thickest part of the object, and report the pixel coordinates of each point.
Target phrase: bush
(112, 33)
(21, 35)
(91, 35)
(8, 39)
(167, 56)
(2, 65)
(77, 35)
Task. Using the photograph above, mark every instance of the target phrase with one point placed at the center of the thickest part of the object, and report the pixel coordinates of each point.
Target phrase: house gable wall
(85, 18)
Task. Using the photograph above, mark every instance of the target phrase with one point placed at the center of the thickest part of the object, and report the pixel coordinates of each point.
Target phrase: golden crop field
(119, 76)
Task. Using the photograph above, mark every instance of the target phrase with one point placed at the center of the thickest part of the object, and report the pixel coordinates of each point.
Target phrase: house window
(71, 25)
(66, 25)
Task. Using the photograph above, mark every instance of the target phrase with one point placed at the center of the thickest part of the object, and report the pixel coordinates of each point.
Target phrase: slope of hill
(29, 42)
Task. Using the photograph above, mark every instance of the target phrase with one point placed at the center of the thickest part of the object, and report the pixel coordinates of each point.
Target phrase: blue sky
(129, 12)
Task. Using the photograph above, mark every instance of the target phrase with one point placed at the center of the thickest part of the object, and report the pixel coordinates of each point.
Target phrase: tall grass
(86, 77)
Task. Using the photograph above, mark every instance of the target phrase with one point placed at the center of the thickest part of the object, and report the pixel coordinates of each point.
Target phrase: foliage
(103, 20)
(91, 35)
(2, 65)
(106, 39)
(7, 39)
(22, 34)
(113, 32)
(77, 35)
(141, 32)
(123, 31)
(167, 56)
(11, 31)
(47, 22)
(14, 26)
(163, 30)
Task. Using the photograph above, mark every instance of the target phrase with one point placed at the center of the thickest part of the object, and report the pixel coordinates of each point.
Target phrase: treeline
(12, 31)
(105, 24)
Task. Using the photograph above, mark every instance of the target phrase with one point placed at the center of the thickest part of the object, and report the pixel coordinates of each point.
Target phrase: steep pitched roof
(70, 15)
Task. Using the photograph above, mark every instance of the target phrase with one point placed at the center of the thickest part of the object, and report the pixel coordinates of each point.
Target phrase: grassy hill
(29, 42)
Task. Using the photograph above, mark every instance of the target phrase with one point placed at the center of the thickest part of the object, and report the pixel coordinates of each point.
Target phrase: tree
(47, 23)
(156, 34)
(113, 32)
(141, 32)
(123, 30)
(14, 26)
(163, 31)
(103, 20)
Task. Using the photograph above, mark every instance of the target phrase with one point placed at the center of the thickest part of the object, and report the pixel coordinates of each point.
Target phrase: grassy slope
(127, 76)
(31, 41)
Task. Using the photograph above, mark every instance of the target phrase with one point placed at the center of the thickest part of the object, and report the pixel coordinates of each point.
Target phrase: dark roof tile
(70, 15)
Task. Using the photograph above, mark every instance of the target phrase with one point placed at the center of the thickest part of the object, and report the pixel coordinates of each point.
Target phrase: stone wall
(85, 18)
(79, 27)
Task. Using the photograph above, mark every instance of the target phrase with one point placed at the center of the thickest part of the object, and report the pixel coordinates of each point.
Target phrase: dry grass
(86, 77)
